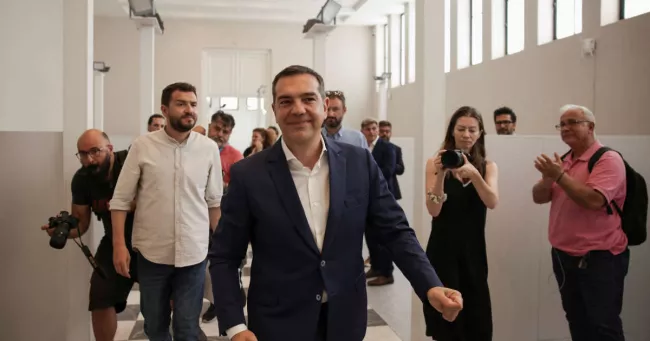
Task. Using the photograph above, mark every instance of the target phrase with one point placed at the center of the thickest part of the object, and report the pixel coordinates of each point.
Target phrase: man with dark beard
(92, 188)
(175, 176)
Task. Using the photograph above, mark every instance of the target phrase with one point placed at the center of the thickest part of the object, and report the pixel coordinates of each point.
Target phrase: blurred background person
(259, 142)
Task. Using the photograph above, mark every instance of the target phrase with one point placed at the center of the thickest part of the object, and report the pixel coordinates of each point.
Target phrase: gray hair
(585, 111)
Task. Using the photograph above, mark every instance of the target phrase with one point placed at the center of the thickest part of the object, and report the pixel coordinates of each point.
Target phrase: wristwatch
(437, 199)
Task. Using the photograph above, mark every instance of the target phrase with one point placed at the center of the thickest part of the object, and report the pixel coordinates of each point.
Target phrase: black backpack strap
(592, 162)
(565, 155)
(594, 158)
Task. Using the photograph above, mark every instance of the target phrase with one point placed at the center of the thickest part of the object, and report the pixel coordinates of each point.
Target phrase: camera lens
(452, 159)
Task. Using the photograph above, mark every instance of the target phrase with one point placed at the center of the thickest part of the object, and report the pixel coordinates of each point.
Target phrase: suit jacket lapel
(337, 180)
(288, 194)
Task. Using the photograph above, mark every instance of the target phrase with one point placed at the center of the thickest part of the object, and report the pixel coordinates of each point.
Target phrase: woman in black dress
(458, 199)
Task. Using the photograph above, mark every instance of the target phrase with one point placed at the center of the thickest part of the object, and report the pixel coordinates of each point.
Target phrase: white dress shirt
(174, 185)
(373, 144)
(313, 188)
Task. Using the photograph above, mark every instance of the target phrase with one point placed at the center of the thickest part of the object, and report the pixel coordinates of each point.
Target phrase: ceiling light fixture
(145, 9)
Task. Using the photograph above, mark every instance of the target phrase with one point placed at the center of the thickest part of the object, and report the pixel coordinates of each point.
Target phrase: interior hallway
(130, 325)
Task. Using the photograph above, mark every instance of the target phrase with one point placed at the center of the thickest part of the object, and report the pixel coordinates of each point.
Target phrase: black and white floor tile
(130, 325)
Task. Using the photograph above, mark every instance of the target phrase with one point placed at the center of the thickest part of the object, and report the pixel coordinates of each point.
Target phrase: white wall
(178, 58)
(31, 66)
(46, 103)
(539, 80)
(536, 82)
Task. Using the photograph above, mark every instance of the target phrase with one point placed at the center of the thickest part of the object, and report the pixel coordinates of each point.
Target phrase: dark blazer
(385, 157)
(399, 170)
(289, 273)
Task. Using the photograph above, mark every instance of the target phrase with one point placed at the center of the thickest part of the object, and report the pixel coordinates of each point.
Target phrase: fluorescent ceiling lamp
(329, 12)
(142, 8)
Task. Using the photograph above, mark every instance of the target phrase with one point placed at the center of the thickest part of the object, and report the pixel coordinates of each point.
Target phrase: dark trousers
(380, 259)
(591, 288)
(161, 283)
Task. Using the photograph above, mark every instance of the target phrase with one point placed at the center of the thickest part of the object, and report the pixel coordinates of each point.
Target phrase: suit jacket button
(318, 298)
(322, 263)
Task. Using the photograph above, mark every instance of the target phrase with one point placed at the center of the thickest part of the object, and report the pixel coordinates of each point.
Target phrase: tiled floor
(130, 321)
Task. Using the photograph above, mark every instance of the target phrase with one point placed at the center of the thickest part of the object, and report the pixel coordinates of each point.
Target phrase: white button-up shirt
(173, 184)
(313, 188)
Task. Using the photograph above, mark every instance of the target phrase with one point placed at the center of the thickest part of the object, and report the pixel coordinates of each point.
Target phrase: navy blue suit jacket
(385, 156)
(288, 273)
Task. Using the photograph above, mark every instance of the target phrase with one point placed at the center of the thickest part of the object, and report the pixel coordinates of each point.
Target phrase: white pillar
(320, 56)
(430, 84)
(147, 30)
(77, 116)
(98, 99)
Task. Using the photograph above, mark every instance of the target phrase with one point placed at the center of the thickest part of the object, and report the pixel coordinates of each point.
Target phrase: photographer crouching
(92, 189)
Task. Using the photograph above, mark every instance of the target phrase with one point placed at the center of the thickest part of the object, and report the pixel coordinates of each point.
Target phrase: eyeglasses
(502, 122)
(569, 123)
(93, 152)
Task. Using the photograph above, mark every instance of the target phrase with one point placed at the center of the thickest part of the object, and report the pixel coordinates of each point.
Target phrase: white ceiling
(354, 12)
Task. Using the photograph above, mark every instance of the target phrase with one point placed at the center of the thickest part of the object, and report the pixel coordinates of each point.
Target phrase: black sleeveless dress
(457, 251)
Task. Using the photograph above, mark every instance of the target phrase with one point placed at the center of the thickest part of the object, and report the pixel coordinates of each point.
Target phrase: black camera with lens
(452, 159)
(62, 224)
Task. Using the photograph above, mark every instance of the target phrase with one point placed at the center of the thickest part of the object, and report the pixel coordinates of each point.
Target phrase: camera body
(62, 224)
(452, 159)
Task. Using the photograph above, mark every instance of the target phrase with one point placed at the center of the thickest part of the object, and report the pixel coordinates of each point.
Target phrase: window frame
(386, 49)
(402, 49)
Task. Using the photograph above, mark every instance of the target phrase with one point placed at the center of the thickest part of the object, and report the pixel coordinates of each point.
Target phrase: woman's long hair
(265, 137)
(477, 153)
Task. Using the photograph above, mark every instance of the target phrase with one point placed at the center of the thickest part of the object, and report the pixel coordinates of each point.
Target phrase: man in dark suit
(385, 133)
(304, 205)
(384, 153)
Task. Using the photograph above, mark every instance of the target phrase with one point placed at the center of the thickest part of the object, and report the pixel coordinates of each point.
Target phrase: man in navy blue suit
(304, 204)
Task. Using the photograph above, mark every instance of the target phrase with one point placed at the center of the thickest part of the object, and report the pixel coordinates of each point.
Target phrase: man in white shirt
(174, 174)
(304, 205)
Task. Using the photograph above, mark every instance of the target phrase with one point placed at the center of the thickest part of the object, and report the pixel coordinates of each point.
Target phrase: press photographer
(92, 190)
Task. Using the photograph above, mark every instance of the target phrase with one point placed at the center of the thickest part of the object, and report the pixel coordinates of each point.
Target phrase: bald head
(93, 136)
(94, 149)
(199, 129)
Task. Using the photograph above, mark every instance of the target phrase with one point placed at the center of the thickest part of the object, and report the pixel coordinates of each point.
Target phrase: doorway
(235, 81)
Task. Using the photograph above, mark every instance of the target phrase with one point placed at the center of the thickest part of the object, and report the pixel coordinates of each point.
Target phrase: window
(463, 34)
(411, 41)
(514, 26)
(386, 48)
(379, 51)
(402, 49)
(476, 31)
(633, 8)
(251, 103)
(229, 103)
(447, 35)
(567, 18)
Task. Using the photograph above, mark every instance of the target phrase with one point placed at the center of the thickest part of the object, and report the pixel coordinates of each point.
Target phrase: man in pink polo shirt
(590, 254)
(221, 127)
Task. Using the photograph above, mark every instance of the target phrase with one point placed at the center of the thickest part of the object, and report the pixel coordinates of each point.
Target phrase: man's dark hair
(385, 123)
(227, 119)
(154, 116)
(505, 111)
(336, 94)
(277, 132)
(169, 90)
(295, 70)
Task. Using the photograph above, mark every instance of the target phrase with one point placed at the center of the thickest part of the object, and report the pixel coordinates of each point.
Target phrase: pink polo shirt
(577, 230)
(229, 155)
